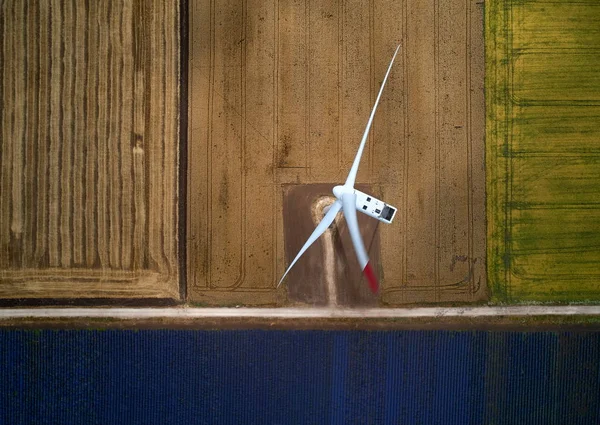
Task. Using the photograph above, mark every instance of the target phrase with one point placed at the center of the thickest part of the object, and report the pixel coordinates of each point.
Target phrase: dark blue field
(298, 377)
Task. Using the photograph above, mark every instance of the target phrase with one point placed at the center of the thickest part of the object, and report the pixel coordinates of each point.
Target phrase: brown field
(279, 97)
(89, 138)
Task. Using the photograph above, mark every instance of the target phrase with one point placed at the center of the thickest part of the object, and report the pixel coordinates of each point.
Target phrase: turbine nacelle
(373, 207)
(368, 204)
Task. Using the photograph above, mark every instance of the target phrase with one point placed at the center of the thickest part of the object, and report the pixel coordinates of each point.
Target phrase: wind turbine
(349, 200)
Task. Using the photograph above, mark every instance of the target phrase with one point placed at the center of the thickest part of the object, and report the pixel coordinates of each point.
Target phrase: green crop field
(543, 150)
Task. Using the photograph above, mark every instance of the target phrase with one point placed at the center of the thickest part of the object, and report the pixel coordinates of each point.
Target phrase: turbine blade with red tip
(349, 206)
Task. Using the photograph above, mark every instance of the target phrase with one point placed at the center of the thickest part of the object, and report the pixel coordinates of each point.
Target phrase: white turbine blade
(354, 170)
(349, 205)
(319, 230)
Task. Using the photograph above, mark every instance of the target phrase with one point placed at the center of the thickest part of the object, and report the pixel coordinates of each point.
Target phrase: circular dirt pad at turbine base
(328, 273)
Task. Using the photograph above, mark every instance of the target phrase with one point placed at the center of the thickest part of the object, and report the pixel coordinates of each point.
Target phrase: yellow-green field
(543, 150)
